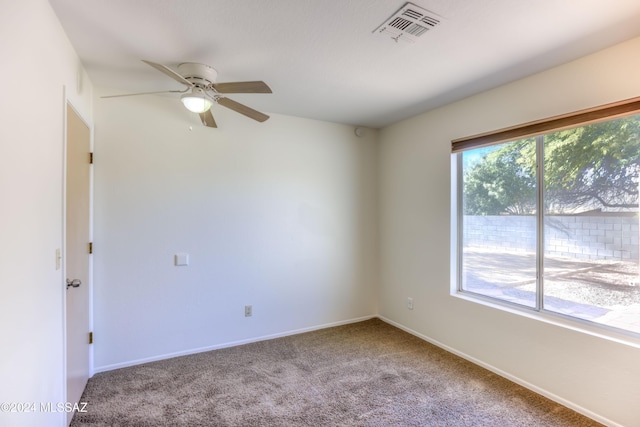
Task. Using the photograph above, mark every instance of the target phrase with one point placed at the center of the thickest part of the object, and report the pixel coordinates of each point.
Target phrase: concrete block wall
(592, 237)
(584, 237)
(517, 233)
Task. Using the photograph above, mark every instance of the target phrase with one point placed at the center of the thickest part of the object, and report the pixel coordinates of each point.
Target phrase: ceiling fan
(202, 91)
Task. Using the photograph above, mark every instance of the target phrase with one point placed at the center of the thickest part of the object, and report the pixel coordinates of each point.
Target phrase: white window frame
(537, 129)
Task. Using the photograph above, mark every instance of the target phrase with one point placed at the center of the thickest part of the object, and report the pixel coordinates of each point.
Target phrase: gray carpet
(363, 374)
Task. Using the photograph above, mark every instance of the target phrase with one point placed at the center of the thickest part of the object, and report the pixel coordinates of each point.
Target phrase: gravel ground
(597, 290)
(600, 283)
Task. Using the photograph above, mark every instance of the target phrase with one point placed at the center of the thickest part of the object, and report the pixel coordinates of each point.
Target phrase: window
(548, 221)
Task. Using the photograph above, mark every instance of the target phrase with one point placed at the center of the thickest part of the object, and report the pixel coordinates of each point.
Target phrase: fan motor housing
(198, 74)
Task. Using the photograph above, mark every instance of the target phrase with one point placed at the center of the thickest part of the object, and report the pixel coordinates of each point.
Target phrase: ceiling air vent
(408, 24)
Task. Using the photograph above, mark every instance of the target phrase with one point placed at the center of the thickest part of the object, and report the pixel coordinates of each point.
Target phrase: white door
(77, 255)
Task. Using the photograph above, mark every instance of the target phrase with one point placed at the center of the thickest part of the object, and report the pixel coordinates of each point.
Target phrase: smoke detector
(408, 24)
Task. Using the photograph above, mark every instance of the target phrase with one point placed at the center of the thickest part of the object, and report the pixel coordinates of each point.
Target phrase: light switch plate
(58, 258)
(181, 259)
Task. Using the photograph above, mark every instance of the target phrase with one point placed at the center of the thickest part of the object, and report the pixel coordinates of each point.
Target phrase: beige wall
(280, 215)
(596, 375)
(37, 61)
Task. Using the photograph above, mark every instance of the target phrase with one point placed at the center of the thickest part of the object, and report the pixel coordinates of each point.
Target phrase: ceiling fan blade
(242, 87)
(242, 109)
(144, 93)
(169, 72)
(207, 119)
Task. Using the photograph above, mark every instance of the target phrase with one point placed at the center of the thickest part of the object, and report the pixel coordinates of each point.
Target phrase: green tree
(593, 166)
(589, 167)
(502, 182)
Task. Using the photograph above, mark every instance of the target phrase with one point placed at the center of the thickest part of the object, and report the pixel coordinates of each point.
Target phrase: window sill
(571, 323)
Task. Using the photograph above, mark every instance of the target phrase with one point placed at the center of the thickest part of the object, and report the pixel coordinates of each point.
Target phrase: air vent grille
(412, 14)
(400, 23)
(408, 24)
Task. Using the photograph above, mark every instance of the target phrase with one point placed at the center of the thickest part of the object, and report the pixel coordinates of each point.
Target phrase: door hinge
(90, 337)
(91, 158)
(90, 247)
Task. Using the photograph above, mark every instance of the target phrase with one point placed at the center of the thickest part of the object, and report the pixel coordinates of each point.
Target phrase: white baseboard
(506, 375)
(225, 345)
(471, 359)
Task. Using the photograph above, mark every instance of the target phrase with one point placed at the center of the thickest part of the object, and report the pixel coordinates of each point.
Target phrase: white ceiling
(321, 58)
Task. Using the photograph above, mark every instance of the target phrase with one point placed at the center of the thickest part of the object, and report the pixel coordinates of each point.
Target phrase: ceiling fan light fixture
(196, 101)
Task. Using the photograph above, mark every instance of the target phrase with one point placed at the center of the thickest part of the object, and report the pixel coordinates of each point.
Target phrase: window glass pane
(499, 222)
(591, 222)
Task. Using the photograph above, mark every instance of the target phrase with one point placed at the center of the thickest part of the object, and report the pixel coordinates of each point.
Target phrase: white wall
(280, 215)
(596, 375)
(37, 61)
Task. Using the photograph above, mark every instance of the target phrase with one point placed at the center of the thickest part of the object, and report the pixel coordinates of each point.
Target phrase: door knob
(73, 283)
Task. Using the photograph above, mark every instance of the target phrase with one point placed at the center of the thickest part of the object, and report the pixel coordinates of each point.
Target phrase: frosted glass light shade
(196, 102)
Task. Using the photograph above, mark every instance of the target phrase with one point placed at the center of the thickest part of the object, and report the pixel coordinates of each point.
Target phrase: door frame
(63, 286)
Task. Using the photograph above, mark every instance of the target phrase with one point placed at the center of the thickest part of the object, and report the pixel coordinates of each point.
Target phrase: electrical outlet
(410, 303)
(248, 311)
